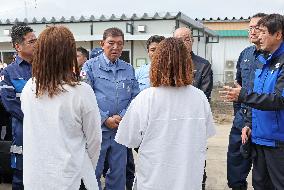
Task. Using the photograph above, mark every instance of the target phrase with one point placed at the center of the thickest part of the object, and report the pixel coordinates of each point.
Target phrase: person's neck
(111, 61)
(275, 47)
(257, 46)
(26, 58)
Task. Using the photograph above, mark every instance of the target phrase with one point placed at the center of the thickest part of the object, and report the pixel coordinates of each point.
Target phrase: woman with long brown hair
(62, 124)
(169, 122)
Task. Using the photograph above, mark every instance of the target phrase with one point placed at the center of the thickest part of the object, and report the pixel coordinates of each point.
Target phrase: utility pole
(26, 9)
(92, 33)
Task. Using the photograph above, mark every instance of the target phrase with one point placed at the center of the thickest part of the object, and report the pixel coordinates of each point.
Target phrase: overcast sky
(192, 8)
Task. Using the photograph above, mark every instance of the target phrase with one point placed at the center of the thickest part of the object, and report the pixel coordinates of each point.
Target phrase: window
(125, 56)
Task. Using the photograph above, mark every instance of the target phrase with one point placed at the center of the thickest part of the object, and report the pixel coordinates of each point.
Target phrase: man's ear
(18, 47)
(102, 43)
(279, 35)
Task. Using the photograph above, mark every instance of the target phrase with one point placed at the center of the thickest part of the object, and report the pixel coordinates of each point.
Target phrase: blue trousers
(116, 155)
(130, 169)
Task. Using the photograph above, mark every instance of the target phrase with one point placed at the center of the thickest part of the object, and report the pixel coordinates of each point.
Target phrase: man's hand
(231, 94)
(113, 122)
(246, 132)
(117, 118)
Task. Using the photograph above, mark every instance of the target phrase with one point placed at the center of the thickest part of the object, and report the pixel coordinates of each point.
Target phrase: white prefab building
(233, 38)
(88, 33)
(225, 56)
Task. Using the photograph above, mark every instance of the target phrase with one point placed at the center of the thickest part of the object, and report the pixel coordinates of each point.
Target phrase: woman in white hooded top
(170, 123)
(62, 124)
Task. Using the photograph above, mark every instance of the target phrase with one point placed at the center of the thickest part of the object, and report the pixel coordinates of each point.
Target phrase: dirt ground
(222, 111)
(216, 166)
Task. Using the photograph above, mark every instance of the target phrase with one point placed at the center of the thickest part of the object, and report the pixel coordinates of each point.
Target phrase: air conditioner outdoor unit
(230, 65)
(229, 76)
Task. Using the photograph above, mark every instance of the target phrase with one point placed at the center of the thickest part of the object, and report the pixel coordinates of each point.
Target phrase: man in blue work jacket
(267, 100)
(238, 167)
(142, 73)
(114, 84)
(13, 80)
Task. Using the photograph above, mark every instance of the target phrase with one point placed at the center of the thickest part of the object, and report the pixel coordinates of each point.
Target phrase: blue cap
(96, 52)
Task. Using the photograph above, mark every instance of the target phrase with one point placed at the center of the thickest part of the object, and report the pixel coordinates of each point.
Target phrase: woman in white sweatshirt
(62, 124)
(170, 123)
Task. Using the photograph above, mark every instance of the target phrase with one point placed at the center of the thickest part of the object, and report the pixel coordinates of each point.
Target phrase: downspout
(178, 20)
(92, 32)
(132, 44)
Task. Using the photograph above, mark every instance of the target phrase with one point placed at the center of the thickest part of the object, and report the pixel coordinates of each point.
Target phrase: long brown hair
(54, 61)
(171, 64)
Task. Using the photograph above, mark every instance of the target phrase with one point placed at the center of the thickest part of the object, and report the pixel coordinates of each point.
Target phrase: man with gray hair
(113, 81)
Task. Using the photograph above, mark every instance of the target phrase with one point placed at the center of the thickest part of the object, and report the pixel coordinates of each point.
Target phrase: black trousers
(17, 183)
(130, 169)
(238, 167)
(268, 167)
(82, 186)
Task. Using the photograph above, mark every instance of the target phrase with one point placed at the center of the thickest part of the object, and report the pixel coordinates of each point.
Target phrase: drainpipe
(92, 33)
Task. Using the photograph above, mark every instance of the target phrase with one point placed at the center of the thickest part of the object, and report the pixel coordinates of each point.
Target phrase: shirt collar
(19, 60)
(275, 54)
(109, 63)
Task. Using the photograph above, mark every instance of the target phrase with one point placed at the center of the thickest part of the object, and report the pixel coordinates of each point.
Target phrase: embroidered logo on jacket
(277, 65)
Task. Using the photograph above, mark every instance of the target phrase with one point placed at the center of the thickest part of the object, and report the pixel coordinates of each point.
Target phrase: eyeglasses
(187, 39)
(253, 28)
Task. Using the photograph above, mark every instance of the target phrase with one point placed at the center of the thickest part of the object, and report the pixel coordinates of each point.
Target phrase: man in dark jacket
(203, 75)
